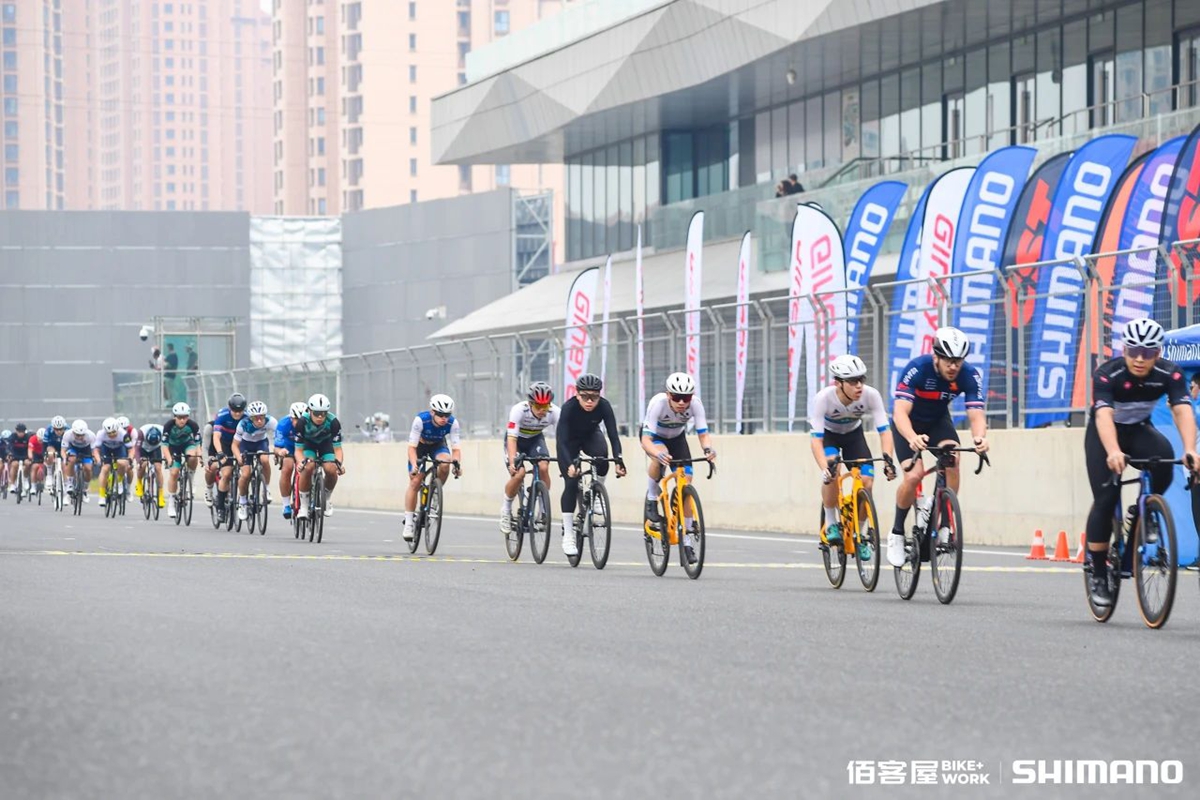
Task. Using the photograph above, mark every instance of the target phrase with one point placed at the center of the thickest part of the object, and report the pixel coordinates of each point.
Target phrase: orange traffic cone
(1037, 551)
(1062, 550)
(1082, 554)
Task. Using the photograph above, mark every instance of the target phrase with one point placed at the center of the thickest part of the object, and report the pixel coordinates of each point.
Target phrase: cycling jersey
(424, 431)
(328, 432)
(37, 450)
(145, 429)
(829, 413)
(50, 438)
(181, 437)
(522, 424)
(285, 434)
(1132, 398)
(930, 393)
(18, 446)
(577, 425)
(105, 442)
(78, 444)
(3, 449)
(247, 431)
(224, 428)
(664, 422)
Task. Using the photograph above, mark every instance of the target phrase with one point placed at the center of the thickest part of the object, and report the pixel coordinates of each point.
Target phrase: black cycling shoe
(652, 516)
(1101, 597)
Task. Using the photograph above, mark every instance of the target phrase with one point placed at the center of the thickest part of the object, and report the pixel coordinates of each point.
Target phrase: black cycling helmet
(21, 427)
(237, 402)
(589, 383)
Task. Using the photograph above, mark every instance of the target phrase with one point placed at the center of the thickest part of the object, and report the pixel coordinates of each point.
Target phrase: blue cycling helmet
(154, 437)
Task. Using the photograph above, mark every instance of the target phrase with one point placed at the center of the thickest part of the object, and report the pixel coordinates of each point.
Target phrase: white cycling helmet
(4, 434)
(847, 367)
(1143, 333)
(318, 402)
(110, 425)
(58, 423)
(441, 403)
(257, 408)
(181, 410)
(680, 383)
(950, 343)
(79, 427)
(298, 408)
(122, 422)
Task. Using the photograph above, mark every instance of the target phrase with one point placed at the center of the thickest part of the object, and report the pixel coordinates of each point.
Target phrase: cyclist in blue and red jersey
(224, 426)
(285, 450)
(51, 437)
(921, 417)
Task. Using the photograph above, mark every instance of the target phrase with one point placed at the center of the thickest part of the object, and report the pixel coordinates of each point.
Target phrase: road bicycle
(1143, 548)
(593, 514)
(54, 476)
(114, 501)
(256, 499)
(225, 513)
(183, 495)
(22, 482)
(79, 490)
(859, 522)
(532, 515)
(149, 483)
(317, 498)
(938, 536)
(427, 521)
(679, 504)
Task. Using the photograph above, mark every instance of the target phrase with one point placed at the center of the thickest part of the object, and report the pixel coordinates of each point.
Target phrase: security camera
(144, 333)
(431, 314)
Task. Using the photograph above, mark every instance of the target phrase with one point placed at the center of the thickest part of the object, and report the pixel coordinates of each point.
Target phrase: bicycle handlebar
(584, 458)
(1149, 462)
(944, 451)
(675, 463)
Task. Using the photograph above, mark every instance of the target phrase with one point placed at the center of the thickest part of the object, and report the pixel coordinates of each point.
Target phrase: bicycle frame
(528, 490)
(674, 511)
(847, 508)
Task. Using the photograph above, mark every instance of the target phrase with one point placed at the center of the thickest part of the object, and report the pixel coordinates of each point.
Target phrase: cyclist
(254, 437)
(37, 457)
(149, 449)
(112, 451)
(1126, 389)
(579, 432)
(285, 451)
(836, 417)
(18, 451)
(527, 422)
(434, 433)
(182, 435)
(77, 446)
(921, 415)
(664, 437)
(319, 436)
(51, 438)
(223, 429)
(4, 451)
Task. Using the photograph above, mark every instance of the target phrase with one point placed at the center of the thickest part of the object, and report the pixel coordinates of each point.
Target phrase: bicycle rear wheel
(866, 541)
(600, 537)
(658, 545)
(1155, 562)
(1115, 549)
(433, 519)
(539, 524)
(946, 546)
(833, 556)
(908, 575)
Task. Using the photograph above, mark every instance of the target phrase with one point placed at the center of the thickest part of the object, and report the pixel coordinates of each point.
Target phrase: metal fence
(487, 374)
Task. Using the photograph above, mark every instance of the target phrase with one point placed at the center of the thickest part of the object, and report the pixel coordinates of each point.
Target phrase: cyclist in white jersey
(253, 437)
(527, 423)
(664, 437)
(77, 446)
(836, 416)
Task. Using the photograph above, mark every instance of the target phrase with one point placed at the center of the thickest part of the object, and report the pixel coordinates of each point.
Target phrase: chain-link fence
(1039, 347)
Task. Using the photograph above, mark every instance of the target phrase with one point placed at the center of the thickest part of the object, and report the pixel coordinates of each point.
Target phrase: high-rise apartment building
(353, 81)
(138, 104)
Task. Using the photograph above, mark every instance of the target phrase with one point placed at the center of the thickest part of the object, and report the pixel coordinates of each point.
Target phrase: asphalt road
(142, 659)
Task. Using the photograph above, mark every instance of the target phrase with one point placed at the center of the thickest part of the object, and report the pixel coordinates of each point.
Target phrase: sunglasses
(953, 362)
(440, 415)
(589, 397)
(539, 406)
(315, 414)
(1138, 351)
(681, 398)
(854, 381)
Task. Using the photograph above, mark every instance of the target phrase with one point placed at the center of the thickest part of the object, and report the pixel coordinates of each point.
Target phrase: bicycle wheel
(155, 489)
(263, 507)
(231, 508)
(189, 497)
(80, 487)
(600, 540)
(946, 546)
(1155, 562)
(658, 545)
(866, 541)
(143, 484)
(319, 514)
(516, 530)
(314, 509)
(433, 519)
(1115, 550)
(180, 497)
(418, 518)
(252, 503)
(539, 524)
(691, 508)
(833, 556)
(908, 575)
(20, 486)
(59, 499)
(215, 508)
(581, 532)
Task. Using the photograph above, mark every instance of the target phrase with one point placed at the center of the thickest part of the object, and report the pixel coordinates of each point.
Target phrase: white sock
(831, 515)
(408, 517)
(568, 524)
(652, 490)
(242, 499)
(507, 506)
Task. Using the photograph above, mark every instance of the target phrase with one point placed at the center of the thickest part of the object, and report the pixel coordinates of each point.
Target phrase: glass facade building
(942, 82)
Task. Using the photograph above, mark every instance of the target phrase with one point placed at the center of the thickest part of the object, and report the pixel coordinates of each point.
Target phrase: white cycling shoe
(895, 549)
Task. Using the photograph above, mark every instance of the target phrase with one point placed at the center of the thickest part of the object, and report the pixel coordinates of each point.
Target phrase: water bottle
(923, 507)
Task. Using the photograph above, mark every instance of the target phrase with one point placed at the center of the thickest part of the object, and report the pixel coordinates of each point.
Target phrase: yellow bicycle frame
(847, 508)
(672, 512)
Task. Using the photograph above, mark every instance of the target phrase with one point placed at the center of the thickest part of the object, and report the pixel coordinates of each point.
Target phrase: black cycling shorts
(534, 446)
(939, 430)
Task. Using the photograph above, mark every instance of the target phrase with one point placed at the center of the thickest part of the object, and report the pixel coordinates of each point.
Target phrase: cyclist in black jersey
(578, 432)
(1125, 391)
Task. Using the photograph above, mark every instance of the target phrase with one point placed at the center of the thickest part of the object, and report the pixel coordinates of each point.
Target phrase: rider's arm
(978, 421)
(237, 443)
(510, 440)
(817, 444)
(900, 412)
(1107, 430)
(976, 405)
(1185, 421)
(610, 426)
(206, 436)
(705, 441)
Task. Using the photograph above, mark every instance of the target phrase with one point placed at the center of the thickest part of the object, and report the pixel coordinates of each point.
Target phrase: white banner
(604, 324)
(581, 302)
(691, 303)
(817, 286)
(942, 210)
(641, 328)
(743, 323)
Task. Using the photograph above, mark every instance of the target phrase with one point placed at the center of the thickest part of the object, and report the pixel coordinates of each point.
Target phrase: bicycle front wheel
(419, 517)
(693, 565)
(600, 538)
(252, 505)
(1115, 548)
(264, 512)
(318, 518)
(658, 544)
(833, 556)
(909, 574)
(145, 484)
(433, 519)
(539, 524)
(866, 541)
(515, 538)
(946, 546)
(1155, 562)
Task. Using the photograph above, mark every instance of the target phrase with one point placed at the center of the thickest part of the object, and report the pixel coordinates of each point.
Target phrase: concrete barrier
(769, 482)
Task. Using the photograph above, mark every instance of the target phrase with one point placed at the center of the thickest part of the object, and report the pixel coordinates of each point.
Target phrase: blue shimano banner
(904, 326)
(868, 225)
(983, 225)
(1075, 217)
(1181, 217)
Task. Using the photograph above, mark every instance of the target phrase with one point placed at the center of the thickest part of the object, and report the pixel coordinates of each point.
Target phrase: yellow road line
(461, 560)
